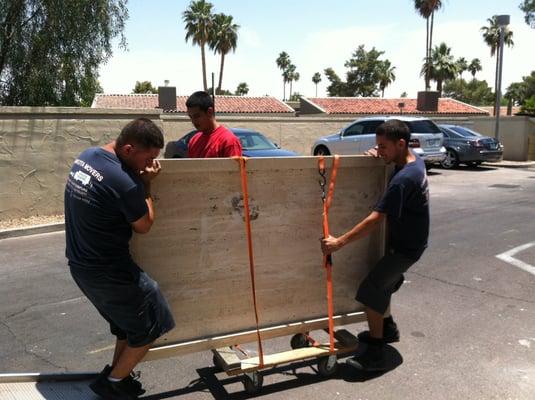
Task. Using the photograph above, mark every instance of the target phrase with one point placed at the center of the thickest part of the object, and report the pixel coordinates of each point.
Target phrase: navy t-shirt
(406, 204)
(102, 198)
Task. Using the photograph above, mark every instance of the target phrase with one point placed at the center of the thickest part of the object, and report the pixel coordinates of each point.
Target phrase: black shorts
(385, 278)
(129, 300)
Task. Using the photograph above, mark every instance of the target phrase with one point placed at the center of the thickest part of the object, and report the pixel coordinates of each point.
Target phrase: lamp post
(503, 21)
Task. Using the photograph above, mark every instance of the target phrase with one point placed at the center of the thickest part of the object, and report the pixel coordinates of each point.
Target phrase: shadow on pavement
(209, 382)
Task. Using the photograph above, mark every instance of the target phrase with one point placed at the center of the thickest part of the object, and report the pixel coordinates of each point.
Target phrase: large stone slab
(197, 248)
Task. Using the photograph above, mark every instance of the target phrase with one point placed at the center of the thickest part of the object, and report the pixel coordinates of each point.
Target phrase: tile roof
(376, 105)
(224, 104)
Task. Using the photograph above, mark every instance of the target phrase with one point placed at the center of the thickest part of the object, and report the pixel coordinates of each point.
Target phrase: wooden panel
(197, 248)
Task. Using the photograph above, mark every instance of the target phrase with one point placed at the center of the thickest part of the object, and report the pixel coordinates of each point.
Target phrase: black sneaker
(132, 380)
(390, 332)
(112, 390)
(372, 360)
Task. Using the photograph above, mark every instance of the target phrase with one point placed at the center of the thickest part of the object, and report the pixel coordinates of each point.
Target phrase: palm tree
(443, 66)
(199, 20)
(224, 38)
(386, 76)
(474, 67)
(316, 78)
(290, 76)
(427, 8)
(462, 66)
(242, 89)
(491, 36)
(283, 61)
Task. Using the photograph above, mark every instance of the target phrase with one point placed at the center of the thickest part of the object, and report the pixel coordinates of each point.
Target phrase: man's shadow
(208, 381)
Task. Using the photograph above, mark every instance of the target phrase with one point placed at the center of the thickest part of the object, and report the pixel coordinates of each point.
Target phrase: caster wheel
(327, 366)
(299, 341)
(252, 382)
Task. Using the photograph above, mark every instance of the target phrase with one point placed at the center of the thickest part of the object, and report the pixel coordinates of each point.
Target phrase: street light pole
(503, 21)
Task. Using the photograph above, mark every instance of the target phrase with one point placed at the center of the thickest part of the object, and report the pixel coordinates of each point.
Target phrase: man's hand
(372, 152)
(330, 244)
(151, 172)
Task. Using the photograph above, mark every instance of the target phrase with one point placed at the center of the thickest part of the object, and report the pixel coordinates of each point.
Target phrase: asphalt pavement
(467, 316)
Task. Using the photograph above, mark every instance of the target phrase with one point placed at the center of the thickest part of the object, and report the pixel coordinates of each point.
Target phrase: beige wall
(37, 148)
(38, 145)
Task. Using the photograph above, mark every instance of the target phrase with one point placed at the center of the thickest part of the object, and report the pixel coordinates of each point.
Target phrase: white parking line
(508, 258)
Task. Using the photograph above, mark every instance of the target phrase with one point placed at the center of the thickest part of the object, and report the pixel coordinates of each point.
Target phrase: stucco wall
(38, 145)
(37, 149)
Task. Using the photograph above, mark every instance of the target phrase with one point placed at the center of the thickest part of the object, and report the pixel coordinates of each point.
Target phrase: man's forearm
(362, 229)
(150, 203)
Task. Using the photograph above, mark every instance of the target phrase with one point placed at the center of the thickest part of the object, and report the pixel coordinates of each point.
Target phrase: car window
(465, 132)
(423, 126)
(254, 141)
(355, 129)
(371, 127)
(445, 132)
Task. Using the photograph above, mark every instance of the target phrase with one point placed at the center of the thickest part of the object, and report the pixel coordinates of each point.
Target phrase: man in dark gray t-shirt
(107, 196)
(405, 205)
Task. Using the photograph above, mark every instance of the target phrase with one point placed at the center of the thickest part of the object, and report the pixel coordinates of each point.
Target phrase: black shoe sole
(360, 367)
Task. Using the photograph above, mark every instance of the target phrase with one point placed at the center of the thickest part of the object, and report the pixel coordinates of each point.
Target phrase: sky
(317, 35)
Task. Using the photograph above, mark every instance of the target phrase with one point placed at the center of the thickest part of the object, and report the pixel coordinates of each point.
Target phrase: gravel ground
(30, 221)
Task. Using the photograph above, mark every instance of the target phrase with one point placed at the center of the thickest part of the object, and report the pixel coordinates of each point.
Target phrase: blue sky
(316, 35)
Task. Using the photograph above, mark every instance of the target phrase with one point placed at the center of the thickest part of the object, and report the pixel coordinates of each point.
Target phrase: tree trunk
(439, 87)
(221, 71)
(203, 68)
(283, 89)
(290, 90)
(316, 90)
(427, 55)
(431, 41)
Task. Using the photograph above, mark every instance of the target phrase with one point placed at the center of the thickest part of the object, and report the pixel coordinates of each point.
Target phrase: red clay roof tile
(224, 104)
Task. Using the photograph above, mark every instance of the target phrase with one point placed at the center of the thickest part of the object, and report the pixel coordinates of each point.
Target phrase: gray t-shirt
(406, 204)
(102, 198)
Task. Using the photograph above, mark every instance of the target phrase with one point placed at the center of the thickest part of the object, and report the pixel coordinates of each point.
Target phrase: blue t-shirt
(406, 204)
(102, 198)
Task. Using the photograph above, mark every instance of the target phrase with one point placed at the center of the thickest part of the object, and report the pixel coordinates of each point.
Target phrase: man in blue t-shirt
(107, 195)
(405, 205)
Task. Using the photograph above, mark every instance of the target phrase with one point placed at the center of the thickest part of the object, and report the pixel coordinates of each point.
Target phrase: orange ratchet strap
(243, 172)
(327, 259)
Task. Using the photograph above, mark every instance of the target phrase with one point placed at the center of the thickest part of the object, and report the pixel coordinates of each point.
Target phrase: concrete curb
(524, 164)
(31, 230)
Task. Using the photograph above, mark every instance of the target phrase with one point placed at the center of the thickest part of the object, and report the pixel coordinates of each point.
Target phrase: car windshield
(465, 132)
(254, 141)
(424, 126)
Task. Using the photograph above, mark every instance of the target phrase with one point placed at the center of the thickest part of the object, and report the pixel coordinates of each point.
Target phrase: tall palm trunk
(204, 68)
(290, 90)
(427, 55)
(221, 71)
(316, 90)
(283, 90)
(382, 93)
(431, 41)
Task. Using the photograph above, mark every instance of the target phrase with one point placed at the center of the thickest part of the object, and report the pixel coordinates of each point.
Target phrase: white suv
(359, 136)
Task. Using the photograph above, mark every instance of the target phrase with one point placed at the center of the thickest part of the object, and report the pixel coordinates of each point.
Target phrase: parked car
(468, 147)
(359, 136)
(254, 144)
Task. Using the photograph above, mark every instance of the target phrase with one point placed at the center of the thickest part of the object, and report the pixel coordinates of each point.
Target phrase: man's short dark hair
(394, 130)
(143, 132)
(200, 99)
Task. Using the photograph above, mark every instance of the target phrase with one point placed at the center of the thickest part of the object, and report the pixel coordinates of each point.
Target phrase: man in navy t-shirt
(107, 195)
(405, 205)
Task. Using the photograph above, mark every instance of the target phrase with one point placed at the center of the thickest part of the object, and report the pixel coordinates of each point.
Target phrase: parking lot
(466, 312)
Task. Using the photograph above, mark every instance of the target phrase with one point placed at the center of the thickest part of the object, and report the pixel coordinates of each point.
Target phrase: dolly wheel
(327, 366)
(299, 341)
(252, 382)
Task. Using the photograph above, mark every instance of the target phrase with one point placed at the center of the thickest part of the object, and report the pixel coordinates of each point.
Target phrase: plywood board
(197, 248)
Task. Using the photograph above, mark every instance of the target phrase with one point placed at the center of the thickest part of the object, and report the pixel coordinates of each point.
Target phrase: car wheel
(322, 151)
(451, 160)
